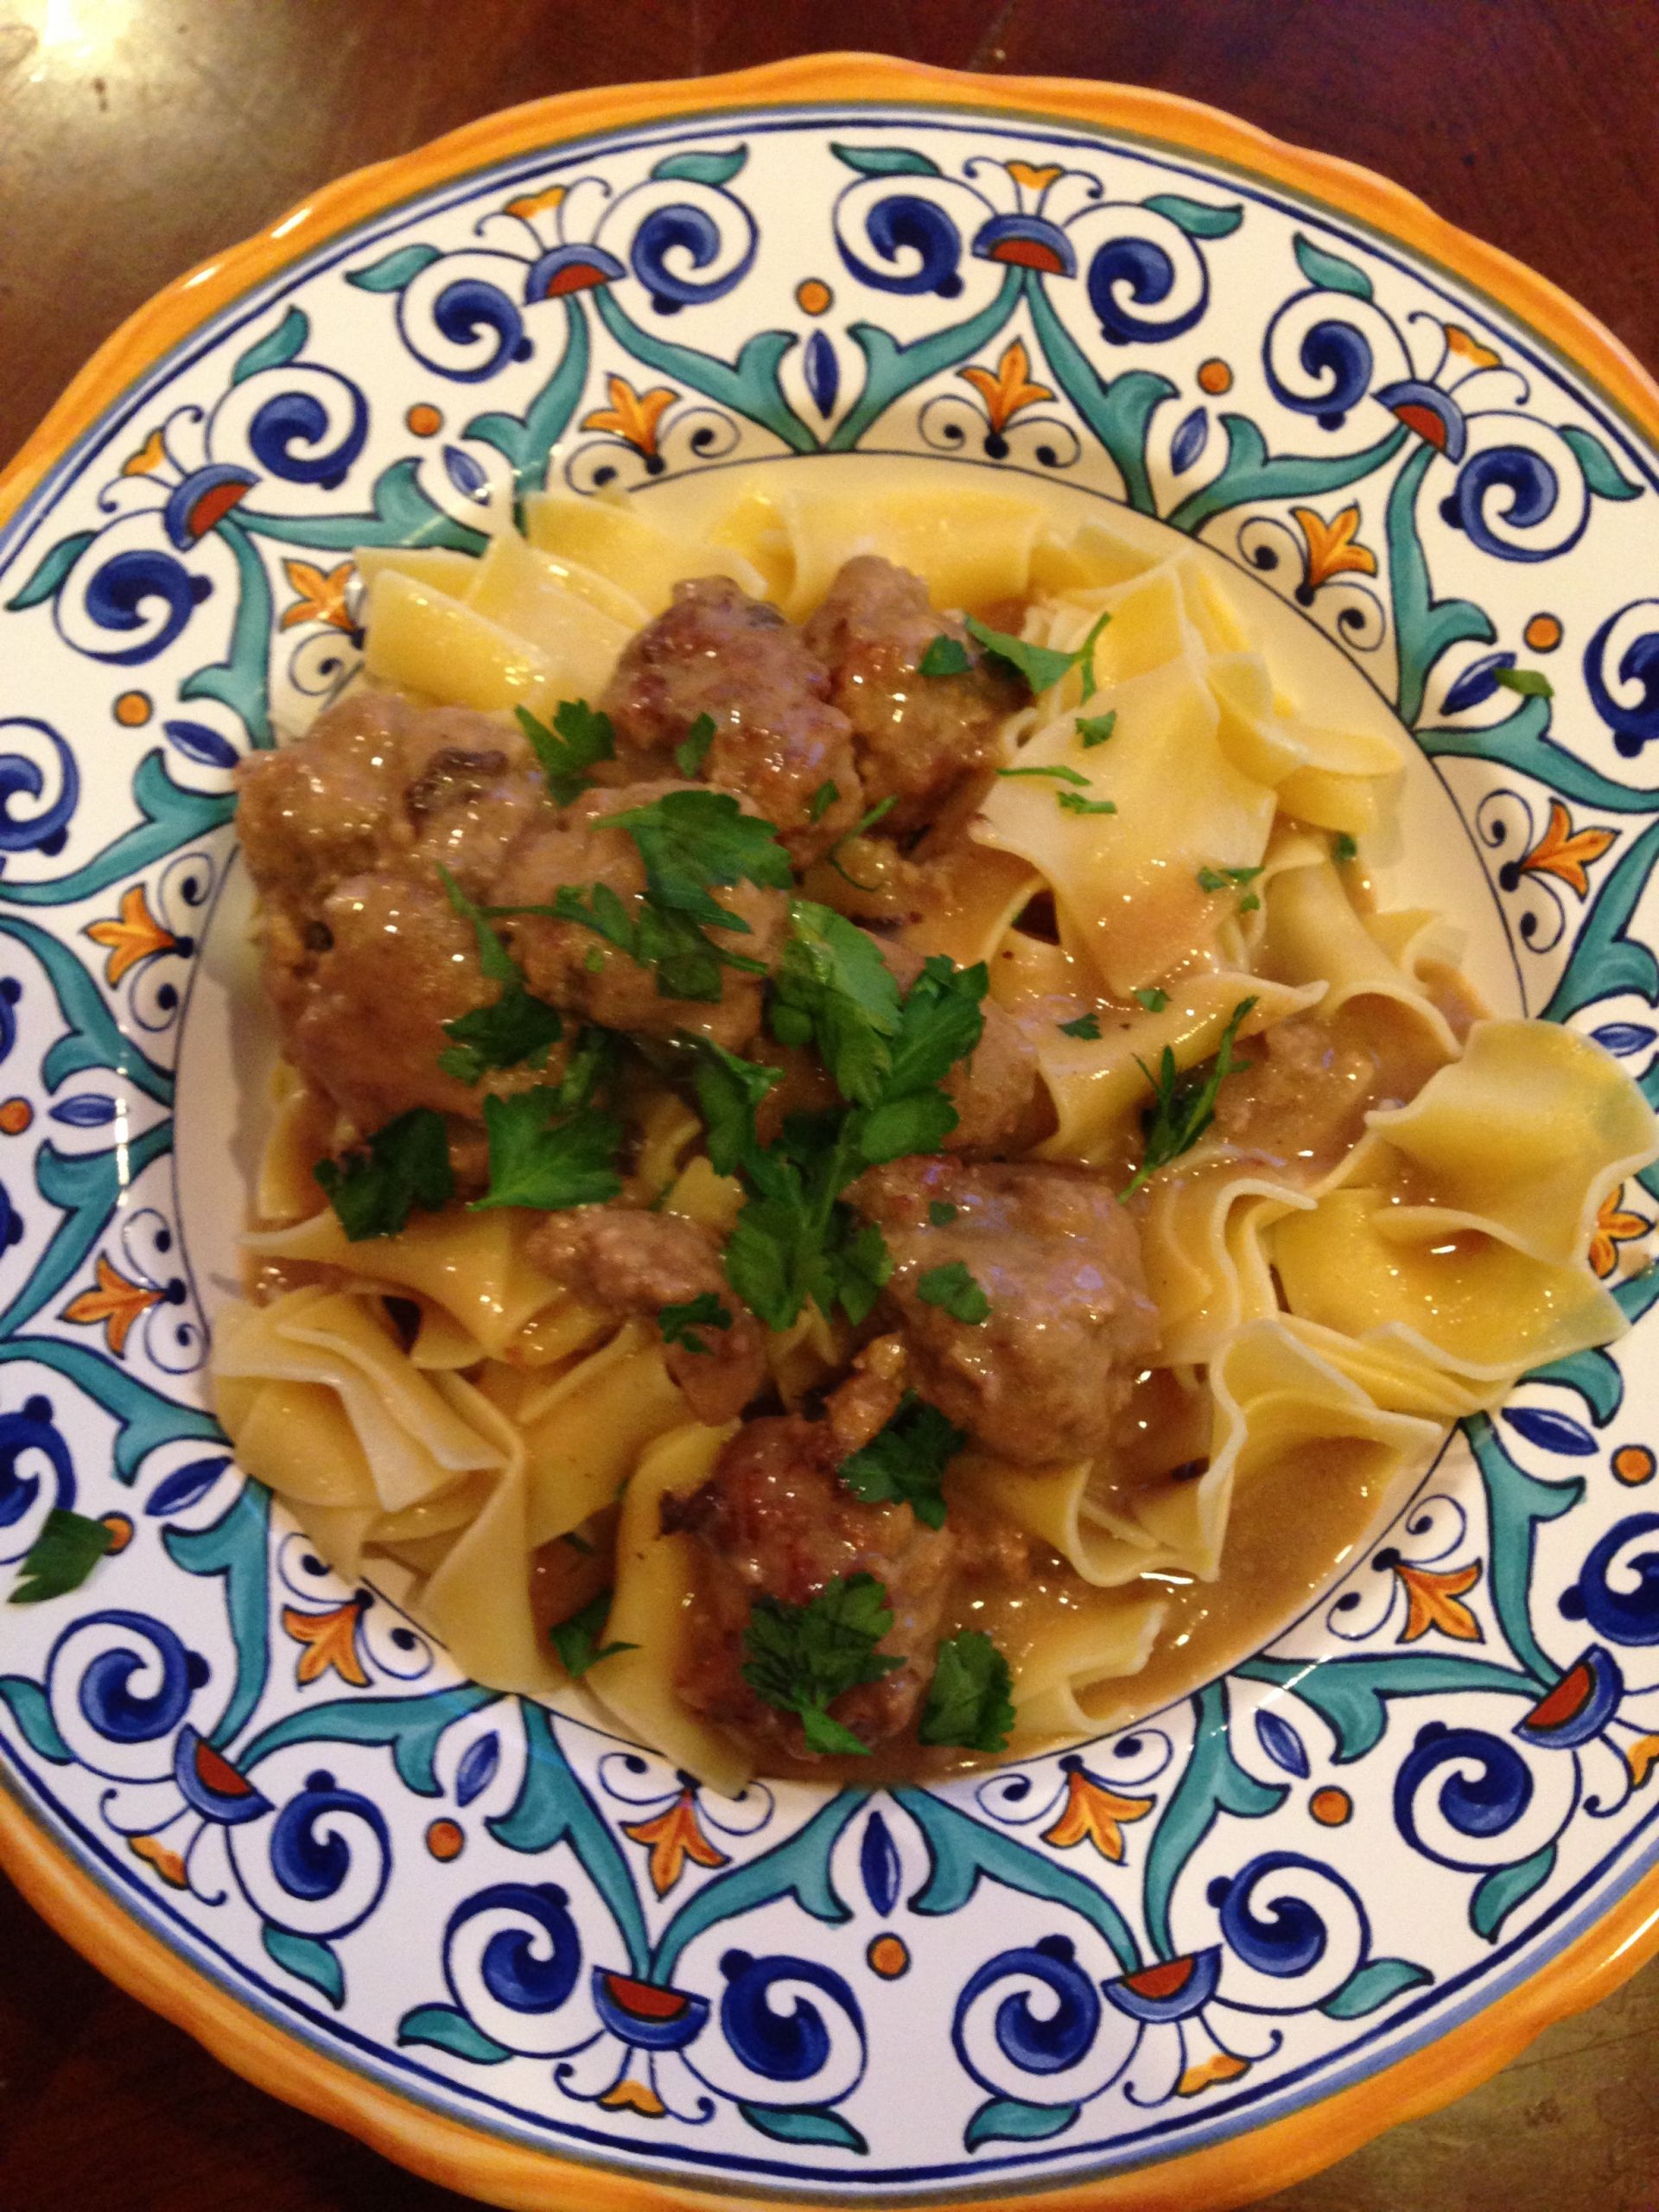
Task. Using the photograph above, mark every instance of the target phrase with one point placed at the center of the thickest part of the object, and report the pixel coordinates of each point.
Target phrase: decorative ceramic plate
(1182, 1963)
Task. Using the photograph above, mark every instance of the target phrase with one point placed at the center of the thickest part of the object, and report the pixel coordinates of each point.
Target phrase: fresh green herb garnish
(945, 657)
(954, 1289)
(1531, 682)
(836, 992)
(1075, 803)
(1060, 775)
(868, 821)
(1095, 729)
(693, 749)
(1226, 879)
(1040, 665)
(576, 1640)
(541, 1159)
(1152, 999)
(1184, 1106)
(941, 1213)
(1086, 1026)
(1249, 904)
(970, 1698)
(1086, 655)
(822, 800)
(680, 1324)
(516, 1026)
(62, 1557)
(580, 737)
(1343, 849)
(801, 1658)
(374, 1188)
(903, 1462)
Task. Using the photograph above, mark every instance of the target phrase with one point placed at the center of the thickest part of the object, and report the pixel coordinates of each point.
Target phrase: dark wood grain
(138, 135)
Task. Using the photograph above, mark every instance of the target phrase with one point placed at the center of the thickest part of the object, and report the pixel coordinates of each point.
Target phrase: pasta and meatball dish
(858, 1167)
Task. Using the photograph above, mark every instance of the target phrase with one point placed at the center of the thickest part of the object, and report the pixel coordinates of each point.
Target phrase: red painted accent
(214, 506)
(574, 276)
(218, 1774)
(1427, 423)
(1565, 1699)
(644, 2000)
(1160, 1981)
(1028, 253)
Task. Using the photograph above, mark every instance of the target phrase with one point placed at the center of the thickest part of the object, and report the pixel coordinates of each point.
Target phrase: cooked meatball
(993, 1090)
(918, 738)
(634, 1262)
(570, 965)
(778, 740)
(774, 1518)
(1044, 1376)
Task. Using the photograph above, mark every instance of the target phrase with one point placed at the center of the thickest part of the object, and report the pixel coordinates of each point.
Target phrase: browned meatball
(994, 1090)
(634, 1262)
(718, 652)
(570, 965)
(919, 738)
(1044, 1375)
(1300, 1101)
(774, 1518)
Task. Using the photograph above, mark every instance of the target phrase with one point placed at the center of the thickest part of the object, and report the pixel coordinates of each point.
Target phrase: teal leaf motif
(703, 168)
(1373, 1985)
(1601, 472)
(1592, 1375)
(402, 515)
(237, 1547)
(1196, 217)
(1520, 743)
(172, 815)
(886, 161)
(277, 348)
(1329, 271)
(891, 370)
(1606, 958)
(86, 1188)
(1213, 1783)
(412, 1727)
(528, 439)
(1498, 1894)
(749, 386)
(804, 2124)
(553, 1807)
(964, 1851)
(144, 1416)
(393, 271)
(26, 1702)
(93, 1039)
(1119, 410)
(1352, 1696)
(1251, 474)
(798, 1867)
(307, 1960)
(1424, 626)
(242, 681)
(1006, 2120)
(1516, 1502)
(445, 2029)
(48, 580)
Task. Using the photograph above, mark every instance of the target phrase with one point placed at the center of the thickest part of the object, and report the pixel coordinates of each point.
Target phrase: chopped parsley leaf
(1226, 879)
(1531, 682)
(1152, 999)
(62, 1555)
(693, 749)
(540, 1158)
(941, 1213)
(903, 1463)
(802, 1658)
(1086, 1026)
(580, 736)
(835, 991)
(1075, 803)
(954, 1289)
(1095, 729)
(822, 799)
(1345, 850)
(1040, 665)
(970, 1700)
(1060, 775)
(406, 1164)
(1249, 904)
(680, 1324)
(945, 657)
(516, 1027)
(576, 1640)
(729, 1091)
(1184, 1106)
(691, 839)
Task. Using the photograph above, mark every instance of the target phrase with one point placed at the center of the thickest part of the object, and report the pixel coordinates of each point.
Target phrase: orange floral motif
(1435, 1601)
(1010, 388)
(117, 1304)
(629, 2096)
(1220, 2066)
(673, 1838)
(1334, 549)
(322, 595)
(1094, 1814)
(633, 416)
(135, 938)
(1615, 1225)
(331, 1641)
(1469, 348)
(1033, 178)
(535, 203)
(1642, 1758)
(167, 1863)
(149, 457)
(1567, 852)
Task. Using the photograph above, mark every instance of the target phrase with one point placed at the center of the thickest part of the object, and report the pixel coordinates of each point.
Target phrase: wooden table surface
(138, 135)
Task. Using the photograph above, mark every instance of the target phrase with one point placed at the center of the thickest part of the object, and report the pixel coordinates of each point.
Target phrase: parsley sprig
(576, 1639)
(67, 1549)
(580, 737)
(970, 1700)
(903, 1463)
(802, 1658)
(547, 1158)
(680, 1324)
(1041, 666)
(516, 1028)
(378, 1185)
(1184, 1106)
